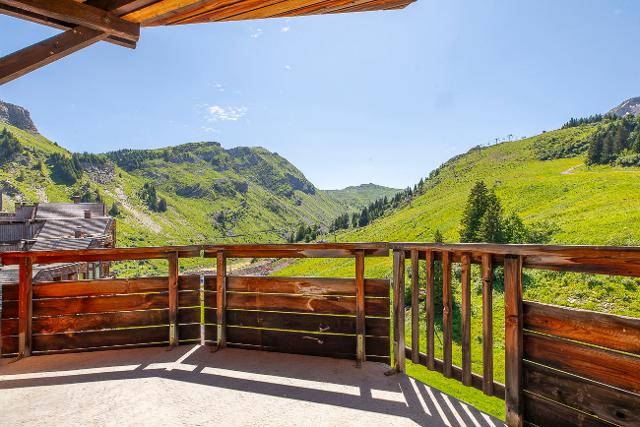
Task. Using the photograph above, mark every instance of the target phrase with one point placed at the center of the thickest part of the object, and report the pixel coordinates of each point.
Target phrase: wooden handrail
(612, 260)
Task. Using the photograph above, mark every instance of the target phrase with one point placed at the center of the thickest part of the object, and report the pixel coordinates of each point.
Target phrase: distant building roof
(68, 210)
(66, 227)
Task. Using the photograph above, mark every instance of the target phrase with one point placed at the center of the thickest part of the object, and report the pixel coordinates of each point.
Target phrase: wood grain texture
(25, 308)
(94, 322)
(606, 330)
(305, 342)
(42, 53)
(398, 311)
(613, 260)
(360, 309)
(299, 250)
(430, 308)
(173, 267)
(487, 324)
(306, 285)
(80, 14)
(447, 314)
(88, 255)
(221, 298)
(68, 306)
(415, 308)
(465, 280)
(611, 404)
(544, 412)
(305, 304)
(319, 323)
(598, 364)
(513, 340)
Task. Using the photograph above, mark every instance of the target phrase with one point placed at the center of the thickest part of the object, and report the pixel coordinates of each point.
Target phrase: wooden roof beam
(47, 51)
(56, 23)
(80, 14)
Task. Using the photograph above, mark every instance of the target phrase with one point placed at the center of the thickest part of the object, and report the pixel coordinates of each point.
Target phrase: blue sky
(380, 97)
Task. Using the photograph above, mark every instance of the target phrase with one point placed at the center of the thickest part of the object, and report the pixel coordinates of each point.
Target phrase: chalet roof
(68, 210)
(118, 21)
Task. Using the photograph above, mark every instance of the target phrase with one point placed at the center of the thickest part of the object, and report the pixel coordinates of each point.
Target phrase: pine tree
(514, 229)
(162, 205)
(473, 212)
(115, 210)
(437, 236)
(490, 227)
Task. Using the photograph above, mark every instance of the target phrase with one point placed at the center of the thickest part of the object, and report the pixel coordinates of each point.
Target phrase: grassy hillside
(356, 197)
(585, 205)
(212, 194)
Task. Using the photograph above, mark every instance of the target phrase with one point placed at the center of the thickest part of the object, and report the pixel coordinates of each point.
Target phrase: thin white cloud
(257, 33)
(209, 129)
(217, 113)
(285, 29)
(287, 67)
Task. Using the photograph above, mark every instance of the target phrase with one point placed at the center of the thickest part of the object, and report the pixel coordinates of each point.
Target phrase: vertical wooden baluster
(25, 307)
(487, 324)
(221, 299)
(173, 299)
(360, 309)
(398, 311)
(415, 309)
(447, 314)
(513, 340)
(430, 309)
(465, 279)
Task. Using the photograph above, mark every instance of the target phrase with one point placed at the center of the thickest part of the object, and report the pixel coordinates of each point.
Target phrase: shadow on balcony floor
(192, 386)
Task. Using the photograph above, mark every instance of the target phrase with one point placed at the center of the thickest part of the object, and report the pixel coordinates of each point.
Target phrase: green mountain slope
(586, 205)
(212, 194)
(356, 197)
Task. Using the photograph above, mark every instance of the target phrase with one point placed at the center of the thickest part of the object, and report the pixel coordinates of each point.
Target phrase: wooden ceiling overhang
(85, 22)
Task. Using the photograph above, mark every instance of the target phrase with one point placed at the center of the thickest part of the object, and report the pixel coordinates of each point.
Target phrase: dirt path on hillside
(143, 218)
(571, 169)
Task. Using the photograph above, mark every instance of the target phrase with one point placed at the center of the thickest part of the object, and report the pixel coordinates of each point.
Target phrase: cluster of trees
(150, 197)
(595, 118)
(616, 142)
(9, 146)
(484, 221)
(305, 233)
(375, 209)
(64, 169)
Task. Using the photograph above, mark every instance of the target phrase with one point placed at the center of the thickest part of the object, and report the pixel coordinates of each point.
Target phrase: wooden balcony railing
(562, 366)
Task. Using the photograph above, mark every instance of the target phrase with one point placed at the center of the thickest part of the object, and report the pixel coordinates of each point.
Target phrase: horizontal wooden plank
(614, 405)
(456, 373)
(108, 338)
(606, 330)
(306, 322)
(76, 288)
(86, 255)
(299, 250)
(210, 299)
(295, 303)
(63, 306)
(305, 343)
(543, 412)
(606, 366)
(306, 285)
(90, 322)
(188, 298)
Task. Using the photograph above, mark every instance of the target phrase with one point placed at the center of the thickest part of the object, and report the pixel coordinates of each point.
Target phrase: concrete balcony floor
(192, 386)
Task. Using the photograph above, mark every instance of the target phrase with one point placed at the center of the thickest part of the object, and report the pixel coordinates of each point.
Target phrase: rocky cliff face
(17, 116)
(630, 106)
